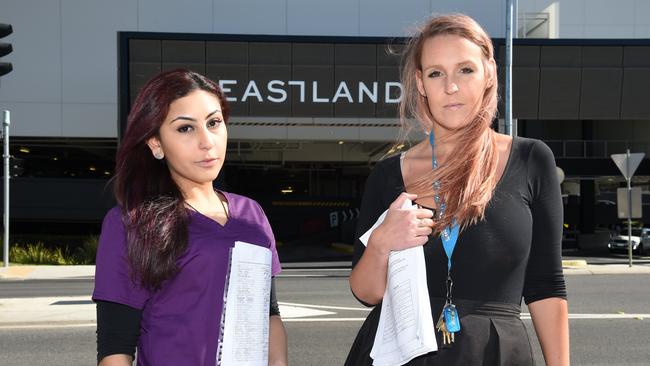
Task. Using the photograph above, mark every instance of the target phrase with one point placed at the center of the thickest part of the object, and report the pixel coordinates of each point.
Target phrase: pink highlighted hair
(468, 175)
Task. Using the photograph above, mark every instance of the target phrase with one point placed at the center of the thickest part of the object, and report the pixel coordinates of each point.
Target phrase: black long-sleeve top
(516, 251)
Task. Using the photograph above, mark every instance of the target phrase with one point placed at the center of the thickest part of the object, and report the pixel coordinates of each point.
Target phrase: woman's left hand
(551, 320)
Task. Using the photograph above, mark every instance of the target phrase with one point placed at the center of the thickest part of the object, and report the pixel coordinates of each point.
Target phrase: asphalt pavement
(38, 308)
(53, 319)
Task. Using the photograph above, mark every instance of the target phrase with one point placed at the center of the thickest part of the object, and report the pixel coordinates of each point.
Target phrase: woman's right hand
(402, 228)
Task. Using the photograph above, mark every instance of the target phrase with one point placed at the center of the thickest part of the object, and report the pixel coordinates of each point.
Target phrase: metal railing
(595, 149)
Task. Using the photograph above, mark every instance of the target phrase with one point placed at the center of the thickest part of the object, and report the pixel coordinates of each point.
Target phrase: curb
(574, 263)
(342, 248)
(62, 272)
(16, 272)
(20, 272)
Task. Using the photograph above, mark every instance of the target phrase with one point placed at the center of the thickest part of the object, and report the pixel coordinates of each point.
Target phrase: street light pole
(627, 164)
(5, 133)
(629, 210)
(508, 69)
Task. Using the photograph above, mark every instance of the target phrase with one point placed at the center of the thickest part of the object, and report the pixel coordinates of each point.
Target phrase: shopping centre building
(314, 89)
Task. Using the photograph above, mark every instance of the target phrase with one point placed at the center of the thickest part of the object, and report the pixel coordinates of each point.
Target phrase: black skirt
(492, 333)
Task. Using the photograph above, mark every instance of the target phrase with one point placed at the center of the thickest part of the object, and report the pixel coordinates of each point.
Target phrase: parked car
(640, 241)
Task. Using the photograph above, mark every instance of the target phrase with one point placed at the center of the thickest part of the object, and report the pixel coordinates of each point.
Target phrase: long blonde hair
(468, 177)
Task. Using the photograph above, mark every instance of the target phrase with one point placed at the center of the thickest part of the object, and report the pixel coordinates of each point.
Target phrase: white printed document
(245, 340)
(406, 328)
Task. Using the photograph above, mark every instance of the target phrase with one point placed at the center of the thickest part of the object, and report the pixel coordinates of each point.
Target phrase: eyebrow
(458, 64)
(192, 119)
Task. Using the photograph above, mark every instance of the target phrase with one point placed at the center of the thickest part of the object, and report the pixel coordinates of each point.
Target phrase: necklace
(223, 206)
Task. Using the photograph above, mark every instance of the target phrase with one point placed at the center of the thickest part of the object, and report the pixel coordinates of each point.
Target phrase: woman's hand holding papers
(403, 227)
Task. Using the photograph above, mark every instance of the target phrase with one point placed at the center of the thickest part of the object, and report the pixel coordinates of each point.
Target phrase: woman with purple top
(164, 250)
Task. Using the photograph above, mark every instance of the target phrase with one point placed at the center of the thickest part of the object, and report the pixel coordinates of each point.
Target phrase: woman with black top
(489, 216)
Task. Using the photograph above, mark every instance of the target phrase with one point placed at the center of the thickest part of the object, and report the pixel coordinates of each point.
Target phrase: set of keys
(448, 324)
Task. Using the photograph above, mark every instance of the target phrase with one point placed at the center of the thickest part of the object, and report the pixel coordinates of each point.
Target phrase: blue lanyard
(449, 235)
(450, 243)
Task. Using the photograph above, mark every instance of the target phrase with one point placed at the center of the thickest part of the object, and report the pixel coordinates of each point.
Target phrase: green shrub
(86, 253)
(38, 254)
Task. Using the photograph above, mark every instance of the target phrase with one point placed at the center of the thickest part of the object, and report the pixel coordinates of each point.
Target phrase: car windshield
(635, 232)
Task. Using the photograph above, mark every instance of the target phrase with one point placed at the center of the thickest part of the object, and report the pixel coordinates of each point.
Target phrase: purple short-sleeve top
(180, 322)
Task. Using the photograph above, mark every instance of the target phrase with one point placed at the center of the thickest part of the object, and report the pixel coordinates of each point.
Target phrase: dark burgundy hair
(152, 205)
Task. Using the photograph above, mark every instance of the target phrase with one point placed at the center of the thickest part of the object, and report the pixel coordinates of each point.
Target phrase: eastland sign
(275, 91)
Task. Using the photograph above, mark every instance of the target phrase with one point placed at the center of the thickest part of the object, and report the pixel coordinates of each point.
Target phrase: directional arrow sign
(627, 168)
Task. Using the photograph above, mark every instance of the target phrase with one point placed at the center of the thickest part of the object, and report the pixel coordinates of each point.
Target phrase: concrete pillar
(588, 136)
(587, 206)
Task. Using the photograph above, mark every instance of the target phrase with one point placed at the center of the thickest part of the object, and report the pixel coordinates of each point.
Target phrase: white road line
(289, 312)
(609, 316)
(314, 269)
(524, 316)
(47, 326)
(323, 306)
(321, 320)
(304, 276)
